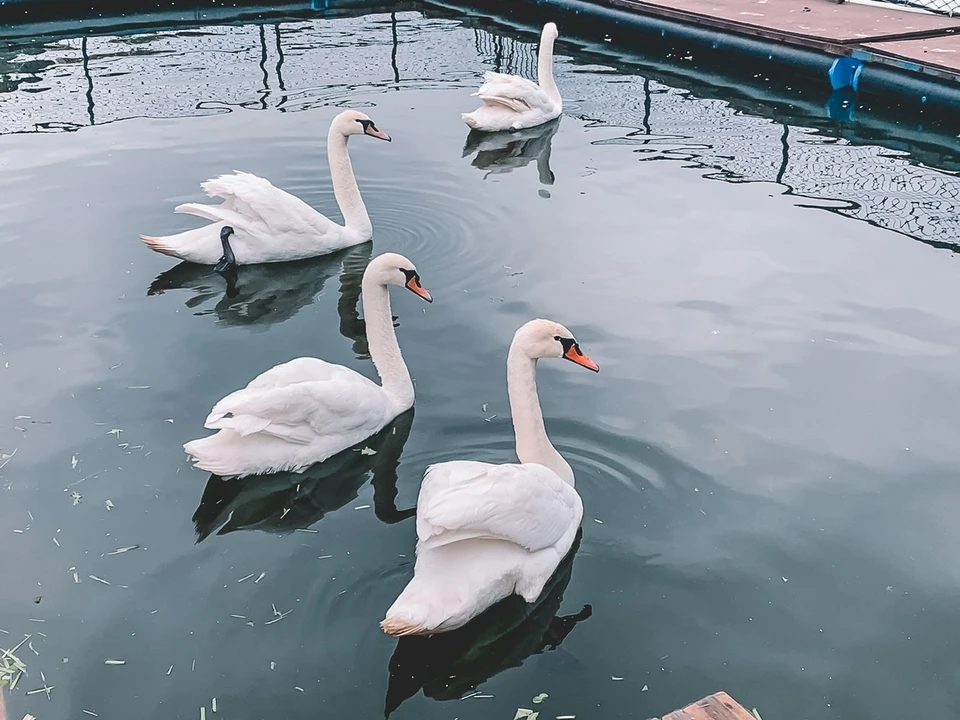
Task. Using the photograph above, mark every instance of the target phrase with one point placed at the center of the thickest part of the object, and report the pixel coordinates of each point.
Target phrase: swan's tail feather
(158, 244)
(398, 627)
(470, 120)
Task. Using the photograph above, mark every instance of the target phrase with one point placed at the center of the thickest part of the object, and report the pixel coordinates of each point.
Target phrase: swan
(306, 410)
(268, 224)
(511, 102)
(486, 531)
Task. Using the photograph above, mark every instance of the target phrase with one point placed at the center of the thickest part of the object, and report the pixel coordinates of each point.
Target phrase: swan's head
(395, 269)
(354, 122)
(549, 32)
(548, 339)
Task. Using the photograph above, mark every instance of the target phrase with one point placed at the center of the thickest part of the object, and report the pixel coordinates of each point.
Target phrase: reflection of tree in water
(449, 665)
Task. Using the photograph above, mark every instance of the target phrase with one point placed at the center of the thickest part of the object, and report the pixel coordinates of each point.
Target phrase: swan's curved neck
(533, 445)
(545, 68)
(345, 186)
(382, 340)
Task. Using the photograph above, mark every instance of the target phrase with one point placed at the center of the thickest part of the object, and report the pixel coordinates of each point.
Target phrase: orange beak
(414, 286)
(374, 132)
(574, 354)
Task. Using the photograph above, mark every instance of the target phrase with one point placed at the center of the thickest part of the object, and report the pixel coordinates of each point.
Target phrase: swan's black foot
(227, 265)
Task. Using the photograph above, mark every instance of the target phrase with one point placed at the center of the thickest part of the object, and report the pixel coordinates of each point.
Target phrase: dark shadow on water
(283, 502)
(449, 665)
(271, 293)
(504, 152)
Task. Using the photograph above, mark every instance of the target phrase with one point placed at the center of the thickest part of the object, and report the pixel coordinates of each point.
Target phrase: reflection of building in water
(58, 84)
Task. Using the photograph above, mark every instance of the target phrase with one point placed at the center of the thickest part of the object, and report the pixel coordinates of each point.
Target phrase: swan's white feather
(514, 92)
(525, 504)
(485, 532)
(291, 416)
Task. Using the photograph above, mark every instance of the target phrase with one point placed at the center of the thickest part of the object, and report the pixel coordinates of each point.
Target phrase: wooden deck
(909, 40)
(718, 706)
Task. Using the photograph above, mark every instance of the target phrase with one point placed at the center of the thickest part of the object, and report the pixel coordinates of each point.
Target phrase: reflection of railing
(869, 182)
(27, 64)
(506, 54)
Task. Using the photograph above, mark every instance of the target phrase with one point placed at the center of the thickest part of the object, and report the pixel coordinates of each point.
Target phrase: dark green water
(767, 459)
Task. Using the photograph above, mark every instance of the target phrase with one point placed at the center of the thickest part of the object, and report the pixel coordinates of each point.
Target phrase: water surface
(767, 458)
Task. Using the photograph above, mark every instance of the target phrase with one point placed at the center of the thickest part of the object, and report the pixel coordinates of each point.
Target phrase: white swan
(511, 102)
(271, 225)
(487, 531)
(306, 410)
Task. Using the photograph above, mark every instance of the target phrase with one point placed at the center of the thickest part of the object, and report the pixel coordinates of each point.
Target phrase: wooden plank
(718, 706)
(940, 52)
(844, 24)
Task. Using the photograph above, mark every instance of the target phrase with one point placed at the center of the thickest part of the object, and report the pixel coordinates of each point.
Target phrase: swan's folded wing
(302, 412)
(298, 370)
(525, 504)
(250, 202)
(511, 91)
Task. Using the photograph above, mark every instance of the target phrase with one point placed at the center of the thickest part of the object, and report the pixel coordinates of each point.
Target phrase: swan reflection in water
(503, 152)
(284, 502)
(449, 665)
(270, 293)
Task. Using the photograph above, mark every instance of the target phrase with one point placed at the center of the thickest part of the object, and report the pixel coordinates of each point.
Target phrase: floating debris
(324, 557)
(7, 457)
(98, 579)
(566, 717)
(77, 497)
(644, 689)
(213, 705)
(615, 678)
(73, 462)
(121, 550)
(116, 432)
(109, 505)
(169, 669)
(262, 576)
(756, 714)
(598, 522)
(273, 665)
(525, 714)
(114, 662)
(245, 577)
(362, 507)
(297, 687)
(91, 713)
(368, 451)
(45, 689)
(203, 713)
(12, 667)
(537, 699)
(309, 530)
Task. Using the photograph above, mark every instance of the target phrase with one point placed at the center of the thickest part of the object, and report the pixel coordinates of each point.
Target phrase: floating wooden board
(718, 706)
(849, 23)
